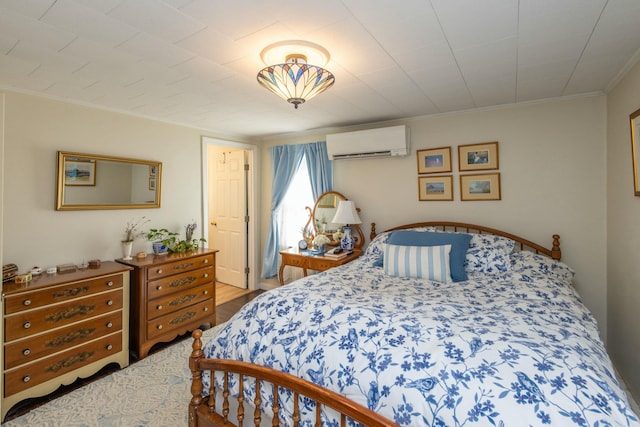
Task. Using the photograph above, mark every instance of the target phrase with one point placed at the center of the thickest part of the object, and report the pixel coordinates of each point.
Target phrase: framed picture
(79, 172)
(635, 134)
(435, 188)
(153, 171)
(475, 157)
(480, 187)
(152, 183)
(434, 160)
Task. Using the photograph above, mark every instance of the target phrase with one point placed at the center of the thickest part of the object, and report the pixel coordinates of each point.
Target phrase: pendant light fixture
(293, 77)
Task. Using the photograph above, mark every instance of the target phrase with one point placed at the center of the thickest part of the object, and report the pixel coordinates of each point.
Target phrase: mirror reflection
(87, 181)
(323, 212)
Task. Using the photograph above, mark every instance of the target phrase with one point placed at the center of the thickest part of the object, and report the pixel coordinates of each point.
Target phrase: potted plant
(159, 238)
(131, 232)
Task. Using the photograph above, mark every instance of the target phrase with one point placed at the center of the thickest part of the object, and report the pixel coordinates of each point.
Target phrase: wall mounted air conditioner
(382, 142)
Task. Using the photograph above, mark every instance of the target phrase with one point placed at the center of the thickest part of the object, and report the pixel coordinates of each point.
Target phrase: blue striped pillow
(424, 262)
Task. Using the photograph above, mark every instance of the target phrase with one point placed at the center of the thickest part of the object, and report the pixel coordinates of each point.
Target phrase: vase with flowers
(320, 242)
(131, 232)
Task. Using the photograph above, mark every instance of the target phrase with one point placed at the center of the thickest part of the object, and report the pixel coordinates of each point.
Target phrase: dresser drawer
(162, 287)
(31, 322)
(203, 310)
(30, 349)
(180, 266)
(173, 302)
(56, 294)
(320, 264)
(27, 376)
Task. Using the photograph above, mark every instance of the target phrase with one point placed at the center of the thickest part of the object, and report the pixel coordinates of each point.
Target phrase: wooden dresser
(59, 327)
(171, 294)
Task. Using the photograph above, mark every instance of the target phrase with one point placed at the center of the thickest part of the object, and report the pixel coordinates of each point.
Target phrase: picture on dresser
(433, 188)
(434, 160)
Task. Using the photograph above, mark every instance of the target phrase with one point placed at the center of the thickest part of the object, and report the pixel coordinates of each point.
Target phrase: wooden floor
(229, 300)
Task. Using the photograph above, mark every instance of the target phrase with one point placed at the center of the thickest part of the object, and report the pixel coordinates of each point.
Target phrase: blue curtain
(285, 161)
(320, 167)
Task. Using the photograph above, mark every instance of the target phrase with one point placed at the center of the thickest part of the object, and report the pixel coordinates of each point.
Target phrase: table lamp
(346, 214)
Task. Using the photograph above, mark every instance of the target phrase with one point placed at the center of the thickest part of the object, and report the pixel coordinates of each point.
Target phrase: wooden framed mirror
(89, 181)
(635, 134)
(322, 213)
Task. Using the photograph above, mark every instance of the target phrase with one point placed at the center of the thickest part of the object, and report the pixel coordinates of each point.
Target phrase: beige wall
(34, 233)
(552, 165)
(623, 233)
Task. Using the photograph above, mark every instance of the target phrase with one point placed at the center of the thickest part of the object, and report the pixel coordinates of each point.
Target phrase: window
(294, 216)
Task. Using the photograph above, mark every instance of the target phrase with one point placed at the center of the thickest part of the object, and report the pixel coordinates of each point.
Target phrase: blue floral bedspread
(513, 348)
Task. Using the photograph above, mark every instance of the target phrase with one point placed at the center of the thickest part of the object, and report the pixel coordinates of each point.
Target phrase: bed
(506, 342)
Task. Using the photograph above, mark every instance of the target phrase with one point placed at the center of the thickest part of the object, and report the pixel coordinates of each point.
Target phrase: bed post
(556, 253)
(372, 235)
(196, 378)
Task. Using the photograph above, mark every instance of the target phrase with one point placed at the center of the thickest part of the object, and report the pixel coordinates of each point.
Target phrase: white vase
(127, 247)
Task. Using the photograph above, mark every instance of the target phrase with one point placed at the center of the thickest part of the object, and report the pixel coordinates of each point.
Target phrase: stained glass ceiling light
(293, 78)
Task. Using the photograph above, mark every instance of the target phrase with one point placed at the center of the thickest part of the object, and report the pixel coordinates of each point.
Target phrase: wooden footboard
(202, 410)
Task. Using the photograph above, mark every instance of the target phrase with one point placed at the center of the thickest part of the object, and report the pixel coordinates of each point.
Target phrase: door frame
(252, 196)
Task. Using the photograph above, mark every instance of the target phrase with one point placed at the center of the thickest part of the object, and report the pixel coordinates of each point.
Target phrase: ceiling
(194, 62)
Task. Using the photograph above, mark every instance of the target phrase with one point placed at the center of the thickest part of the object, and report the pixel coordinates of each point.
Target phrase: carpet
(154, 391)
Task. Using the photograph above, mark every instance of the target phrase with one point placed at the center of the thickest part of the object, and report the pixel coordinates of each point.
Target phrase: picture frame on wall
(475, 157)
(480, 187)
(435, 188)
(434, 160)
(79, 173)
(634, 119)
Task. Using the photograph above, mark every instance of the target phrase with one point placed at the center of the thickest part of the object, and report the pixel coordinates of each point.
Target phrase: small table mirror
(323, 212)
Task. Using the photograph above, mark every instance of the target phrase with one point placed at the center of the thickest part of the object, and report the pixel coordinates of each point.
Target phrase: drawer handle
(206, 261)
(110, 283)
(109, 347)
(109, 325)
(110, 302)
(158, 288)
(26, 302)
(26, 352)
(159, 307)
(159, 271)
(26, 325)
(159, 326)
(206, 309)
(205, 275)
(26, 379)
(205, 292)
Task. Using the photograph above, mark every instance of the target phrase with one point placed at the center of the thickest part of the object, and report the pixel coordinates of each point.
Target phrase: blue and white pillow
(423, 262)
(489, 254)
(527, 261)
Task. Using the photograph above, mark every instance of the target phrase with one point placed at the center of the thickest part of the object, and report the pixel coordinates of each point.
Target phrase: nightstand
(306, 261)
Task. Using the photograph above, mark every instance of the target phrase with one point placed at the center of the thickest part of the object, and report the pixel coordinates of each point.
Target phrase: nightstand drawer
(171, 268)
(52, 295)
(24, 351)
(31, 322)
(320, 264)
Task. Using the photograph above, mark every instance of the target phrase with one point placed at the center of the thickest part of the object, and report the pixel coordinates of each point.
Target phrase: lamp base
(347, 240)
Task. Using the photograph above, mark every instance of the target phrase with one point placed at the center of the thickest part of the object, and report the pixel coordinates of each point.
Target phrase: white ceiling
(194, 62)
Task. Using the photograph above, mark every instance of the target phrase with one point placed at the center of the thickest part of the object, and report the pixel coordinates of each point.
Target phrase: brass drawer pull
(158, 288)
(205, 275)
(26, 325)
(159, 307)
(159, 271)
(109, 283)
(206, 309)
(26, 352)
(205, 292)
(109, 347)
(159, 326)
(27, 302)
(109, 325)
(26, 379)
(110, 302)
(206, 261)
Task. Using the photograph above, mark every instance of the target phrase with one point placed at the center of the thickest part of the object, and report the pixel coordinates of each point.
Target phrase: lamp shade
(295, 82)
(346, 213)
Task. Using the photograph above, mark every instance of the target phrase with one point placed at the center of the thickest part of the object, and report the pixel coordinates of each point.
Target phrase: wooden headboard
(522, 243)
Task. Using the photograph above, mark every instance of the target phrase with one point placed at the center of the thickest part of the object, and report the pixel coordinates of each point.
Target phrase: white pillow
(423, 262)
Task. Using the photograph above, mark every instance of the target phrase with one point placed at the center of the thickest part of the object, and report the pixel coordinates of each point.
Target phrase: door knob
(214, 223)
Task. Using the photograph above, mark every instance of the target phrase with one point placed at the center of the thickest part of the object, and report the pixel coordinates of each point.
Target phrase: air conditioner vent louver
(382, 142)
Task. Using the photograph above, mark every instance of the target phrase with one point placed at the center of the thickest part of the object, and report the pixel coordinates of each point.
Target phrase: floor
(229, 300)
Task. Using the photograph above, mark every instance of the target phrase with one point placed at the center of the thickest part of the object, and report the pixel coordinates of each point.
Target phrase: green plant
(171, 240)
(159, 234)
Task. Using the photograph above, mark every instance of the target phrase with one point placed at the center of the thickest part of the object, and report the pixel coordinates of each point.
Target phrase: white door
(227, 213)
